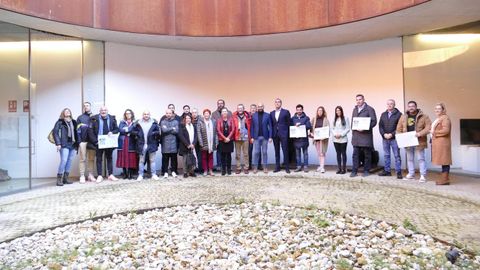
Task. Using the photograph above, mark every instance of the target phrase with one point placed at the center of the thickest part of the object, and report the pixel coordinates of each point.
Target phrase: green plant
(92, 214)
(276, 202)
(239, 200)
(320, 221)
(379, 262)
(343, 264)
(407, 224)
(311, 207)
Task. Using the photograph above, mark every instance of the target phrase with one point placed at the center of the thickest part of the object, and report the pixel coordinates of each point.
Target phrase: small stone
(404, 231)
(367, 223)
(362, 261)
(389, 235)
(407, 250)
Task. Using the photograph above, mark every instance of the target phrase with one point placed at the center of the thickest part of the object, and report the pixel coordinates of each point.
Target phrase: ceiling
(430, 16)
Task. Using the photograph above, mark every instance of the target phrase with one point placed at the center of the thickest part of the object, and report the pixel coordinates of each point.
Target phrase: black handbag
(191, 159)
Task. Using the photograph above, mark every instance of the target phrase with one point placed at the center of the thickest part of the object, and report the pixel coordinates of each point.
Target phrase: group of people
(198, 137)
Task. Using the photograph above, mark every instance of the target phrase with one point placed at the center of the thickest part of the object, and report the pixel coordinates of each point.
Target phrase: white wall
(142, 77)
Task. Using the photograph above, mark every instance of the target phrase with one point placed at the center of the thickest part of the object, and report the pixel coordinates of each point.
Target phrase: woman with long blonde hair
(66, 141)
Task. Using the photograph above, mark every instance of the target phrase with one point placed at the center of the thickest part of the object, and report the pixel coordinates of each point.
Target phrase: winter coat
(93, 130)
(231, 130)
(364, 138)
(281, 128)
(83, 123)
(442, 141)
(184, 140)
(202, 135)
(236, 122)
(303, 119)
(325, 123)
(343, 130)
(60, 134)
(422, 126)
(124, 133)
(266, 126)
(169, 129)
(153, 137)
(389, 125)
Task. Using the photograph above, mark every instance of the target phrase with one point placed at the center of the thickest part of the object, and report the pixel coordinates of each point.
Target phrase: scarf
(70, 130)
(100, 124)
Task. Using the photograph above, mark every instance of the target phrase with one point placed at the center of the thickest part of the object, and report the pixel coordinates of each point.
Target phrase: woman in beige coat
(442, 143)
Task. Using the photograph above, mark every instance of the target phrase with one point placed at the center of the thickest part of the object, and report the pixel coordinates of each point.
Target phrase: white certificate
(321, 133)
(406, 139)
(106, 141)
(298, 132)
(361, 123)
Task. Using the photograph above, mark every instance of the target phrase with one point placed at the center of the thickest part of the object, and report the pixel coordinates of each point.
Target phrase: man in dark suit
(281, 124)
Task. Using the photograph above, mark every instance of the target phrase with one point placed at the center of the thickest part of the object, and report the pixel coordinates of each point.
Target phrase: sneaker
(205, 173)
(408, 177)
(422, 179)
(399, 175)
(365, 174)
(353, 174)
(319, 169)
(299, 169)
(165, 175)
(322, 170)
(82, 179)
(99, 179)
(155, 177)
(305, 169)
(174, 175)
(112, 177)
(91, 178)
(140, 178)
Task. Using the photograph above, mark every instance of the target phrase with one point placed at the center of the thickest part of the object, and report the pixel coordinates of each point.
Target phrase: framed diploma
(298, 132)
(321, 133)
(361, 123)
(406, 139)
(106, 141)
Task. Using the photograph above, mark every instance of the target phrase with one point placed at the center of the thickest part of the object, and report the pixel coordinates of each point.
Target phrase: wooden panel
(343, 11)
(140, 16)
(78, 12)
(273, 16)
(212, 17)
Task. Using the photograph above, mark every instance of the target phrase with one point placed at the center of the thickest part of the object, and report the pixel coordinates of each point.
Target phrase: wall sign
(12, 106)
(26, 105)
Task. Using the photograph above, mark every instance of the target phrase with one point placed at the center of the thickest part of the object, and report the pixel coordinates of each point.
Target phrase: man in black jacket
(388, 126)
(87, 155)
(104, 124)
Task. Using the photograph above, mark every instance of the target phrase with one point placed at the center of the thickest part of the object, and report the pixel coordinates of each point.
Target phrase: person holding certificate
(321, 143)
(442, 143)
(301, 120)
(415, 120)
(363, 121)
(340, 129)
(387, 127)
(104, 124)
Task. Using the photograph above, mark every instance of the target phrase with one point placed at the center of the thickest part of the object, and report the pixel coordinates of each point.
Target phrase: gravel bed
(234, 236)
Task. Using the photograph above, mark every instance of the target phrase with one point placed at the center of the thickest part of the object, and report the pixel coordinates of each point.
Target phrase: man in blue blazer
(281, 125)
(261, 135)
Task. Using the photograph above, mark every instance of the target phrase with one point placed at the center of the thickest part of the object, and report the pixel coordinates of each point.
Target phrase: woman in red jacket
(225, 131)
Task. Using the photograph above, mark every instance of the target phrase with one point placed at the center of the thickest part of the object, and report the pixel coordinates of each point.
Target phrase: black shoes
(65, 179)
(339, 171)
(399, 175)
(276, 170)
(385, 173)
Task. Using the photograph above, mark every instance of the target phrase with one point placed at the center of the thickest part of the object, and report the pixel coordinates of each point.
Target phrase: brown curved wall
(206, 17)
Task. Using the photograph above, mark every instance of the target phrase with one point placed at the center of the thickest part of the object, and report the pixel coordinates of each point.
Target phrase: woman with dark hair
(127, 157)
(442, 143)
(320, 120)
(225, 132)
(340, 129)
(187, 134)
(66, 139)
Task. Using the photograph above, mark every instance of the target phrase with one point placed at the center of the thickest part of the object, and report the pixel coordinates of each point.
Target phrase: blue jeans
(298, 152)
(141, 164)
(260, 144)
(66, 157)
(387, 145)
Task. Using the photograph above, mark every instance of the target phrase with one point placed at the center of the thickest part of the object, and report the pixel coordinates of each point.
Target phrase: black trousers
(250, 157)
(277, 143)
(341, 149)
(367, 151)
(226, 162)
(169, 158)
(108, 156)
